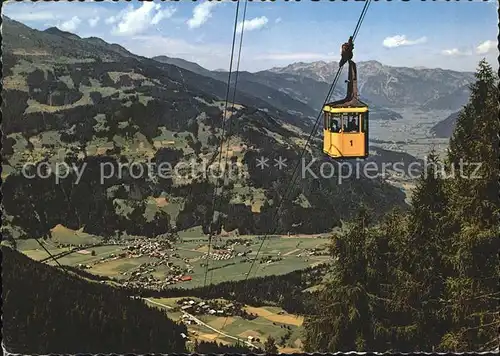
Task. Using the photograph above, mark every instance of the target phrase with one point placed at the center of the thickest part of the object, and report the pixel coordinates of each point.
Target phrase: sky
(439, 34)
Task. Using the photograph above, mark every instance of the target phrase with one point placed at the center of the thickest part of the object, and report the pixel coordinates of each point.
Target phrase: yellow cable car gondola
(345, 132)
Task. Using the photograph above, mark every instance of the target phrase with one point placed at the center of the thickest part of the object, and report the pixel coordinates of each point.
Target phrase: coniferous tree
(341, 320)
(420, 269)
(474, 151)
(270, 346)
(472, 288)
(427, 280)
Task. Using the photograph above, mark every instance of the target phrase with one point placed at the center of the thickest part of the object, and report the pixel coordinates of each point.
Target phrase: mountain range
(96, 109)
(396, 87)
(382, 86)
(85, 101)
(84, 95)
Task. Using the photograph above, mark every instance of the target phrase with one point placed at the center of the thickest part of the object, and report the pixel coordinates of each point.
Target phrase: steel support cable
(214, 195)
(330, 92)
(361, 19)
(294, 174)
(50, 254)
(292, 180)
(313, 131)
(233, 102)
(356, 29)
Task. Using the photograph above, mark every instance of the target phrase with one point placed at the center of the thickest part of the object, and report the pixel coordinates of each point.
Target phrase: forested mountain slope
(91, 104)
(427, 279)
(46, 311)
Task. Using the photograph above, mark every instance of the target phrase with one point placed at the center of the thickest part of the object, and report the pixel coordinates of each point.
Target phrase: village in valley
(180, 261)
(164, 261)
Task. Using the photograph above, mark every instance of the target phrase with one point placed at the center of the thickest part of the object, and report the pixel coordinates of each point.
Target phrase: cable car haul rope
(345, 131)
(325, 105)
(218, 190)
(349, 112)
(340, 127)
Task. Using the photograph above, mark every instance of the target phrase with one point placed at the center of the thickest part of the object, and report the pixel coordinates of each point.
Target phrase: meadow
(278, 255)
(270, 321)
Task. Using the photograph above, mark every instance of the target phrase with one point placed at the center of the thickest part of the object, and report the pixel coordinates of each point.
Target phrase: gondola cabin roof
(346, 106)
(343, 109)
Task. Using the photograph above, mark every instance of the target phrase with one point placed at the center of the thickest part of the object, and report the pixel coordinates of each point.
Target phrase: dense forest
(426, 279)
(46, 310)
(420, 277)
(113, 100)
(205, 347)
(92, 203)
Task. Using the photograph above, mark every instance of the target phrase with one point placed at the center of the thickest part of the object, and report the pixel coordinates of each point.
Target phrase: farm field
(288, 253)
(270, 321)
(410, 134)
(279, 255)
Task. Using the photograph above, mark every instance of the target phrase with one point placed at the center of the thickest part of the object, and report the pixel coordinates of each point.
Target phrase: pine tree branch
(497, 322)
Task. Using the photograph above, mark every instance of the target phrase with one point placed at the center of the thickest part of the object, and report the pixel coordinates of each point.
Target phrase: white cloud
(253, 24)
(163, 14)
(486, 47)
(70, 25)
(278, 20)
(401, 40)
(133, 21)
(93, 21)
(454, 52)
(483, 48)
(201, 14)
(115, 18)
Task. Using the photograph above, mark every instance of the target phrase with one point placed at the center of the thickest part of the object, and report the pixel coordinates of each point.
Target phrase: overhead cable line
(328, 97)
(313, 131)
(216, 189)
(50, 254)
(233, 102)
